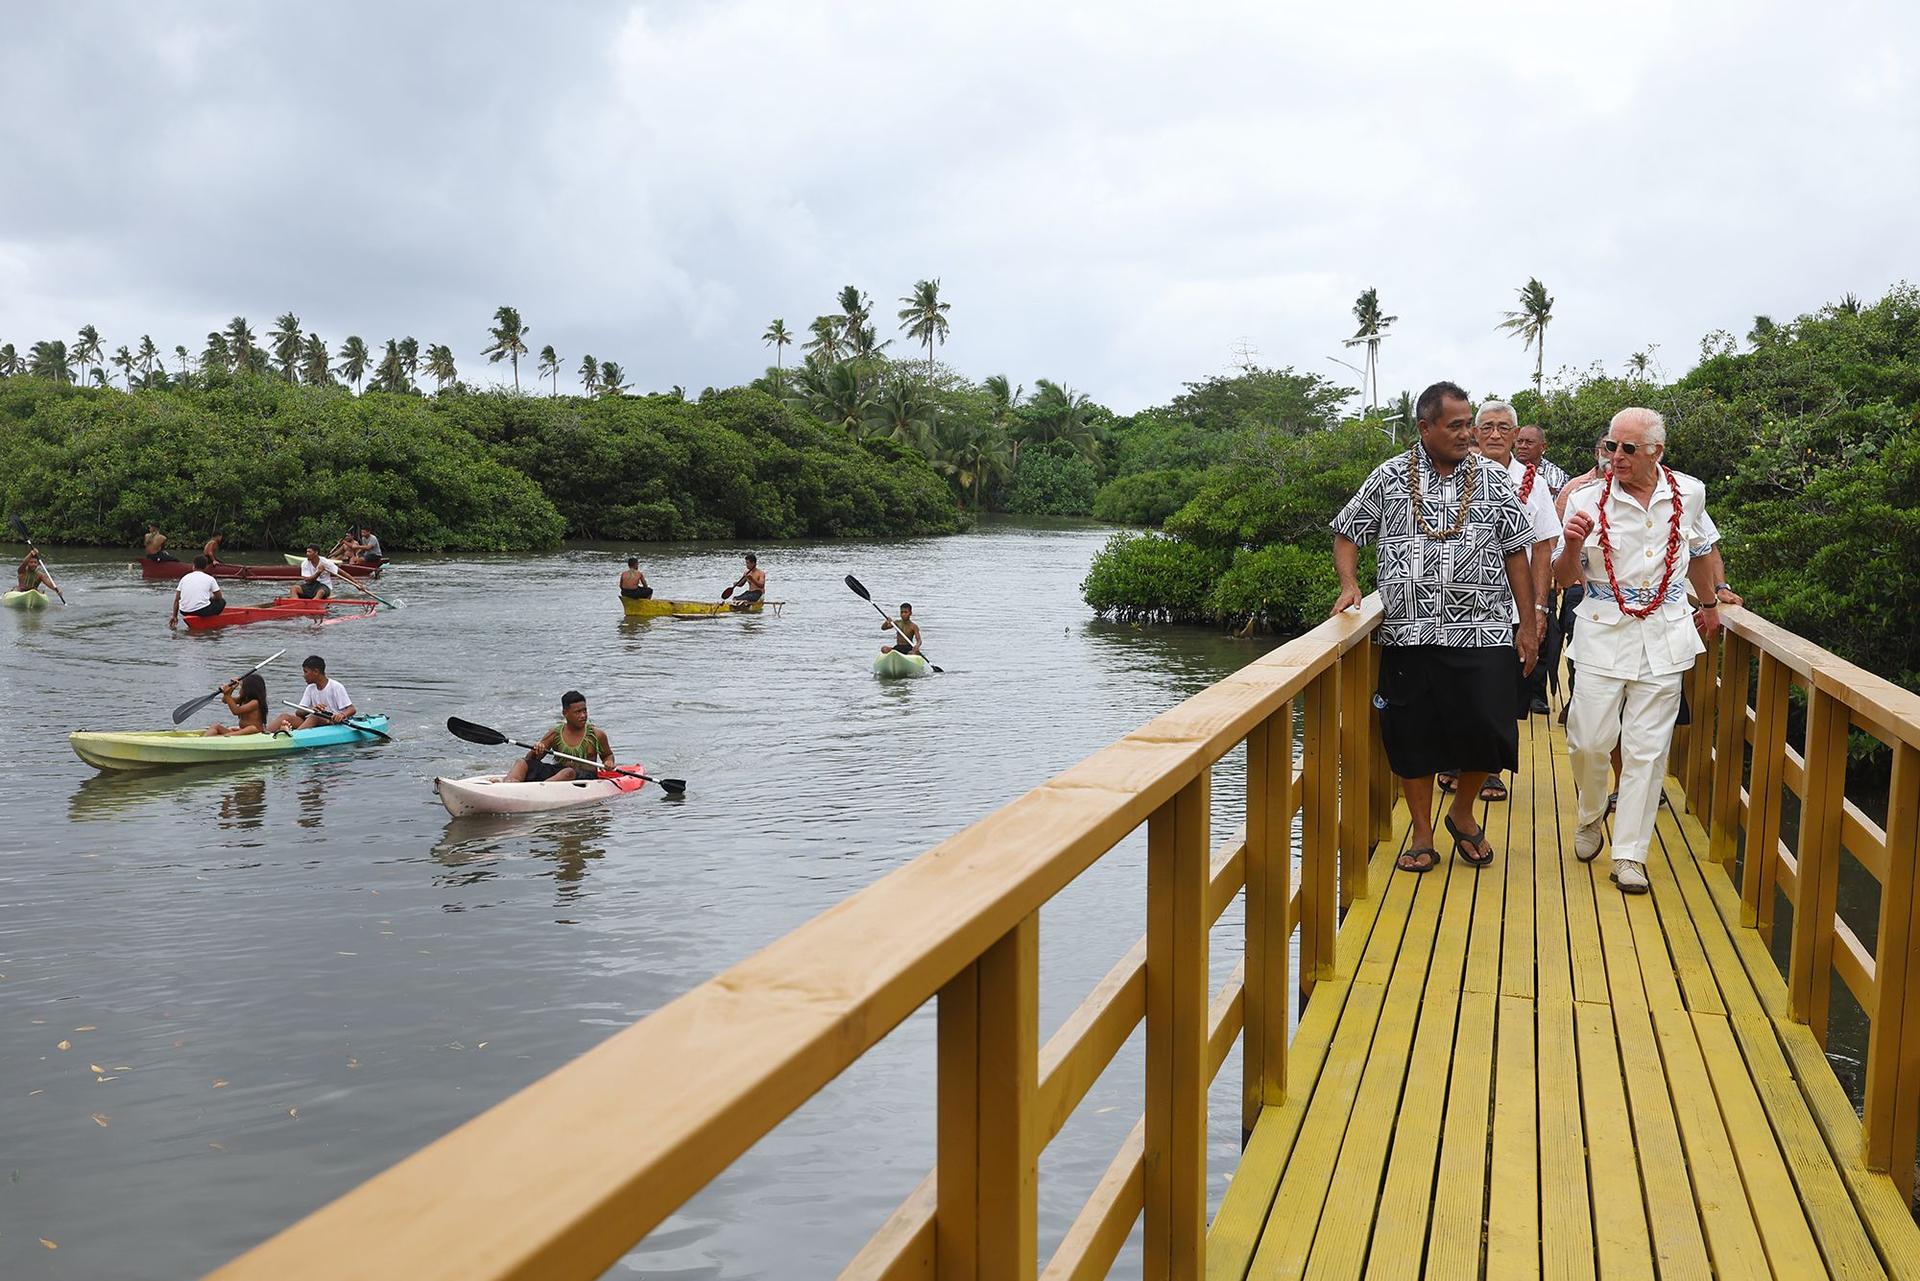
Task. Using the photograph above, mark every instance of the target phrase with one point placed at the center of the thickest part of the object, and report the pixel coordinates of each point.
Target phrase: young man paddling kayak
(32, 574)
(576, 736)
(198, 595)
(318, 575)
(904, 631)
(328, 699)
(754, 580)
(156, 545)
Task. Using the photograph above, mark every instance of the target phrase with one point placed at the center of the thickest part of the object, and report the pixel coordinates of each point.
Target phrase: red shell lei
(1526, 483)
(1673, 548)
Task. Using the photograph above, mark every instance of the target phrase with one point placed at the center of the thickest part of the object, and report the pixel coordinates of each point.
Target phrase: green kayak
(35, 599)
(890, 665)
(158, 749)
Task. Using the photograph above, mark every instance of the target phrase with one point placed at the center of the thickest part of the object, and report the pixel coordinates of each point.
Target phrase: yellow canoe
(659, 607)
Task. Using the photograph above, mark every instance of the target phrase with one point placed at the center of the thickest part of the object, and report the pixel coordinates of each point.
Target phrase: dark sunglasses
(1628, 446)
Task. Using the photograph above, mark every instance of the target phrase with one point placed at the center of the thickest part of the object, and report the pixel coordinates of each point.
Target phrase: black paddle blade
(675, 786)
(475, 733)
(859, 589)
(20, 528)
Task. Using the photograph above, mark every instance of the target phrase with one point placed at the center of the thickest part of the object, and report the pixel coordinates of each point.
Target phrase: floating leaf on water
(31, 1093)
(218, 1147)
(101, 1079)
(122, 1067)
(96, 1069)
(346, 953)
(100, 1119)
(294, 1112)
(88, 1028)
(353, 1063)
(481, 1046)
(219, 1085)
(64, 1045)
(50, 1245)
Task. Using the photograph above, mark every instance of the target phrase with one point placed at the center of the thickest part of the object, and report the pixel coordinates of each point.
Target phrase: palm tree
(440, 366)
(865, 342)
(613, 379)
(123, 360)
(391, 374)
(51, 360)
(509, 340)
(1061, 414)
(972, 456)
(354, 360)
(903, 414)
(287, 344)
(855, 309)
(825, 346)
(217, 357)
(88, 350)
(777, 337)
(180, 354)
(1638, 363)
(1373, 328)
(149, 358)
(550, 366)
(924, 318)
(241, 342)
(410, 357)
(589, 375)
(1003, 399)
(315, 362)
(1849, 305)
(1530, 324)
(833, 394)
(100, 376)
(10, 363)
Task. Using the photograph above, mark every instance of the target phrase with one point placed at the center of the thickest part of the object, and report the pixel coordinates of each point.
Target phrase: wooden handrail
(1841, 697)
(564, 1177)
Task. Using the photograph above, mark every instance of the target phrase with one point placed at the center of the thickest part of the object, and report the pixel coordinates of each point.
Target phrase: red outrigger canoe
(286, 607)
(166, 569)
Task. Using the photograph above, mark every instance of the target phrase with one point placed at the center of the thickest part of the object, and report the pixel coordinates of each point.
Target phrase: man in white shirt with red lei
(1635, 540)
(1453, 546)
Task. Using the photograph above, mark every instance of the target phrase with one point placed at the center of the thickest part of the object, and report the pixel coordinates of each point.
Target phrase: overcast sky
(1112, 195)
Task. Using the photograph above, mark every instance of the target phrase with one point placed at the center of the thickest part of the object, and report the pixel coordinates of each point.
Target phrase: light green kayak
(890, 665)
(158, 749)
(35, 599)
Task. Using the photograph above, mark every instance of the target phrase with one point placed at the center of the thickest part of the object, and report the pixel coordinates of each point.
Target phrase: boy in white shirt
(328, 699)
(198, 595)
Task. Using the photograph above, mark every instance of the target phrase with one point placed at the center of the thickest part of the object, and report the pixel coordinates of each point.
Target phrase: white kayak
(493, 794)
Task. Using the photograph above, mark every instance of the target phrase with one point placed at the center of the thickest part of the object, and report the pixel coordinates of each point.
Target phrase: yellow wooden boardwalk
(1522, 1072)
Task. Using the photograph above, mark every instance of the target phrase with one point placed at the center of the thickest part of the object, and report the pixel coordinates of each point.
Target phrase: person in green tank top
(576, 736)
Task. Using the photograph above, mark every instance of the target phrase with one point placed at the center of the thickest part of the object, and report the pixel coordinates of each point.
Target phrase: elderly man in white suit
(1635, 542)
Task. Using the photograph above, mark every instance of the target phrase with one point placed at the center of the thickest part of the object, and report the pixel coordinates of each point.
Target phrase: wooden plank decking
(1521, 1072)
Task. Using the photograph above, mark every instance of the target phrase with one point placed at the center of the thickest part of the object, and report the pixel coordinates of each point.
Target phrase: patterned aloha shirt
(1450, 591)
(1554, 474)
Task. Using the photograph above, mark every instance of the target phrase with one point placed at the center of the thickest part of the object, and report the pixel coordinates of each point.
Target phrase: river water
(291, 974)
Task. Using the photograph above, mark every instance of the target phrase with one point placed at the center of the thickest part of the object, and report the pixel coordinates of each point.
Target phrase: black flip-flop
(1493, 790)
(1449, 780)
(1463, 841)
(1432, 862)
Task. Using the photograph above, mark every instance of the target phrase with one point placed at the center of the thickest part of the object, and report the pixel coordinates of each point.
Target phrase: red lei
(1673, 547)
(1526, 483)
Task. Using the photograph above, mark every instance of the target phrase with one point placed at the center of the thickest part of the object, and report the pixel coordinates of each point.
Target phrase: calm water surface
(276, 980)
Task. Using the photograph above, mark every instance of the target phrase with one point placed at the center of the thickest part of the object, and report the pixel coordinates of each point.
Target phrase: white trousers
(1638, 714)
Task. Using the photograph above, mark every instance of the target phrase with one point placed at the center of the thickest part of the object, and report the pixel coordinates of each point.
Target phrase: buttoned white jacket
(1608, 641)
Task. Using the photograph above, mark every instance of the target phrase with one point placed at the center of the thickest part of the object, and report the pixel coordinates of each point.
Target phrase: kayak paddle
(487, 737)
(20, 528)
(185, 710)
(352, 722)
(859, 589)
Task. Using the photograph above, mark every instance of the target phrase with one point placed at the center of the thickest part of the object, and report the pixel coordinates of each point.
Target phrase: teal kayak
(158, 749)
(892, 665)
(35, 599)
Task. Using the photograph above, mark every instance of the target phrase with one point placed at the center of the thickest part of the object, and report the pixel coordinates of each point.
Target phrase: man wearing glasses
(1453, 546)
(1635, 541)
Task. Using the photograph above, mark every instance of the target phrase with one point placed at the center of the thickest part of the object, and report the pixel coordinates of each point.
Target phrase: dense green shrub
(1149, 577)
(1146, 498)
(1287, 589)
(1282, 490)
(275, 464)
(1049, 483)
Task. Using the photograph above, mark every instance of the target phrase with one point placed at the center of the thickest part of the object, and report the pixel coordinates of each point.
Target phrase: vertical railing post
(1810, 968)
(1729, 744)
(1319, 804)
(1263, 1079)
(1697, 774)
(1175, 1165)
(1763, 795)
(1383, 780)
(987, 1206)
(1356, 761)
(1891, 1117)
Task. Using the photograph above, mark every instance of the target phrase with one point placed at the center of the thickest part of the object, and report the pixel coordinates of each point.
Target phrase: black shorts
(637, 593)
(207, 610)
(1444, 707)
(312, 588)
(747, 597)
(162, 558)
(541, 771)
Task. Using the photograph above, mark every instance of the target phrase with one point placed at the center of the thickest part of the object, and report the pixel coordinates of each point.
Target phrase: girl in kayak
(246, 698)
(576, 736)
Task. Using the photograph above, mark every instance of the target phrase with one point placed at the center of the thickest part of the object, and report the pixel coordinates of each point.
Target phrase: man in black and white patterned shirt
(1453, 544)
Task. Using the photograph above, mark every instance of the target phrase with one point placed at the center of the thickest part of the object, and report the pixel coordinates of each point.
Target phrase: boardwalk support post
(1270, 809)
(1175, 1168)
